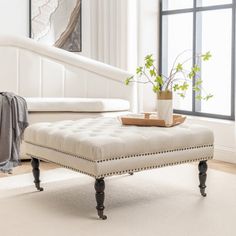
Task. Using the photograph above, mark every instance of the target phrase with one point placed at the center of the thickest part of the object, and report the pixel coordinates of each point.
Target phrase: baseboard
(225, 154)
(224, 135)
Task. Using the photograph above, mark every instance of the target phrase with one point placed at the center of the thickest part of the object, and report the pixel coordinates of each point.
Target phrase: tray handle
(147, 115)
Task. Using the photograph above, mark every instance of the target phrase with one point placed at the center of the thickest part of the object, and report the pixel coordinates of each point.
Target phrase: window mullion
(194, 52)
(197, 44)
(233, 51)
(197, 49)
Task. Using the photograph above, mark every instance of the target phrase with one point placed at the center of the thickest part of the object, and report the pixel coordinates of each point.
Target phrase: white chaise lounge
(60, 85)
(102, 147)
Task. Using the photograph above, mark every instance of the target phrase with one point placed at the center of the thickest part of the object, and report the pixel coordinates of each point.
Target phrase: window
(201, 26)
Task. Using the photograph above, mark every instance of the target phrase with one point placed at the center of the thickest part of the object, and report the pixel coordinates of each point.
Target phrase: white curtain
(121, 33)
(114, 32)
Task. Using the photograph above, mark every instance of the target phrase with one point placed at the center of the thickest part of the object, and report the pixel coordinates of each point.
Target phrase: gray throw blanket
(13, 121)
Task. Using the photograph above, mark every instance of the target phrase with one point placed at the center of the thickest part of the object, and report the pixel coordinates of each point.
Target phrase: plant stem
(179, 56)
(148, 77)
(171, 78)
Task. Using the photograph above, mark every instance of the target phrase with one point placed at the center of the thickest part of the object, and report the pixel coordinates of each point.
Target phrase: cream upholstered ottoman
(102, 147)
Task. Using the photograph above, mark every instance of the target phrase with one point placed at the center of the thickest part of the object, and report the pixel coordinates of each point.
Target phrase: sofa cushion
(77, 105)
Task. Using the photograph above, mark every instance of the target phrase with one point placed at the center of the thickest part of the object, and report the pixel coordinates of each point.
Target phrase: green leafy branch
(179, 78)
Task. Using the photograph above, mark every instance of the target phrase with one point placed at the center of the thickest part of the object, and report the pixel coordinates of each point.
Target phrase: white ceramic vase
(165, 107)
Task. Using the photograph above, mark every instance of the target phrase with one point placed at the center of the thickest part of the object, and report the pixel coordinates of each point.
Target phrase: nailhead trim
(124, 157)
(126, 171)
(67, 167)
(154, 153)
(57, 150)
(154, 167)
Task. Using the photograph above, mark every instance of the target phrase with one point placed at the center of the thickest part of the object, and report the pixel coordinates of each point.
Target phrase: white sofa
(60, 85)
(56, 109)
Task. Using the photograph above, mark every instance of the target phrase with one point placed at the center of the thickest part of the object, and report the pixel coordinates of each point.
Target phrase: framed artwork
(57, 23)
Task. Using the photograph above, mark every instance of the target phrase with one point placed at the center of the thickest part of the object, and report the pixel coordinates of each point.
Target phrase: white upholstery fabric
(76, 105)
(102, 146)
(44, 116)
(32, 69)
(39, 117)
(120, 165)
(105, 138)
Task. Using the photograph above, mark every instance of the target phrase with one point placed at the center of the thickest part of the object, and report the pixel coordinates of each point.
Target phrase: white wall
(96, 18)
(14, 17)
(148, 33)
(225, 136)
(106, 36)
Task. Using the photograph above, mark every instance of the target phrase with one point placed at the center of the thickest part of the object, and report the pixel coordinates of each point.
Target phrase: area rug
(161, 202)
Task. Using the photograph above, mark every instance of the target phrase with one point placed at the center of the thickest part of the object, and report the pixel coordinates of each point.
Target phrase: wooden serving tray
(147, 119)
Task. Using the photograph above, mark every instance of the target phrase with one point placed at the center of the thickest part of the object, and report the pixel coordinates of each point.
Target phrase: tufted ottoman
(103, 147)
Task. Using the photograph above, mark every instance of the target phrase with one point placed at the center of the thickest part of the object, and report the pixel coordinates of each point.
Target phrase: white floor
(161, 202)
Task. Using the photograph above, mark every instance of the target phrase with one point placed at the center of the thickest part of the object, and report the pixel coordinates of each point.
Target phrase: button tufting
(104, 138)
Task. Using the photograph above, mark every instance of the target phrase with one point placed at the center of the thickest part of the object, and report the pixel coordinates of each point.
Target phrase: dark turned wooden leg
(202, 167)
(131, 173)
(100, 196)
(36, 173)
